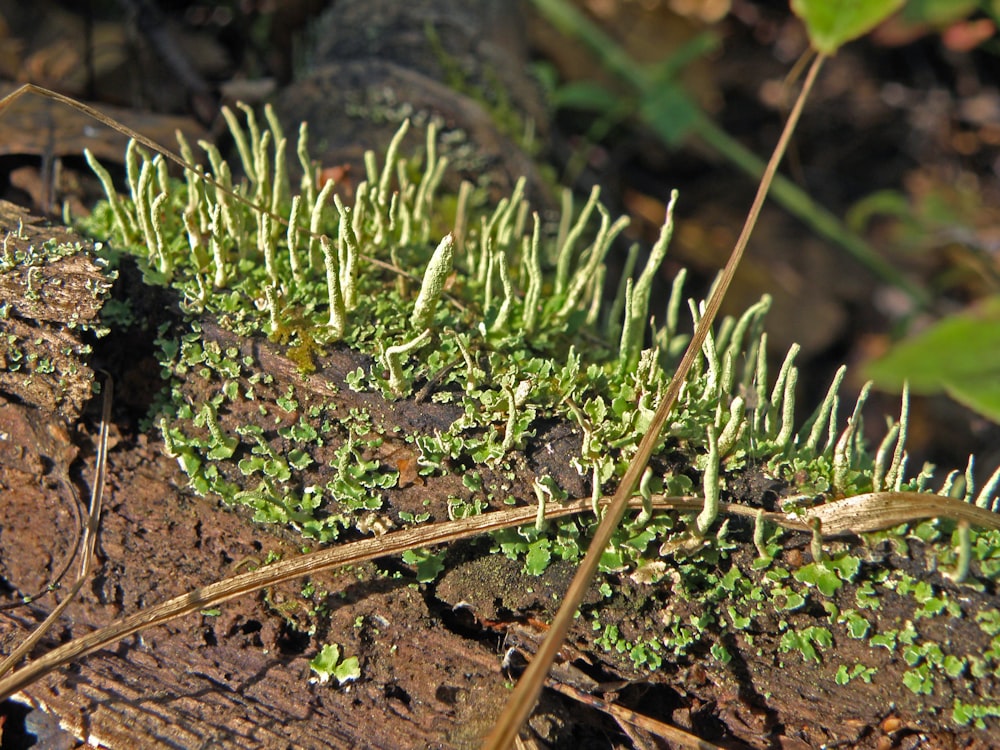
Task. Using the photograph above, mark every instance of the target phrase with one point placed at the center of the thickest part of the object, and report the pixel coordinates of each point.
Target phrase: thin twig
(852, 515)
(87, 543)
(346, 554)
(622, 715)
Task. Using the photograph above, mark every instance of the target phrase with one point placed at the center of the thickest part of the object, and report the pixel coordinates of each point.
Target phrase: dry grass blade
(88, 541)
(346, 554)
(678, 737)
(522, 700)
(853, 515)
(874, 511)
(859, 514)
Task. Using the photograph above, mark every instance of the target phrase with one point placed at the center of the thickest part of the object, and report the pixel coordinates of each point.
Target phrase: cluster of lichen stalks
(506, 321)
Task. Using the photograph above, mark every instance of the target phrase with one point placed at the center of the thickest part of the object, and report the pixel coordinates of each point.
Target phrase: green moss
(974, 713)
(845, 675)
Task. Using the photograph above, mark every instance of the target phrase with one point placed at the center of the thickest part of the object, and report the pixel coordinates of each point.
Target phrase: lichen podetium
(496, 317)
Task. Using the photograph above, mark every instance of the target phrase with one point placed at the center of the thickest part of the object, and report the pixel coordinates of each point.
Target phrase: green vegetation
(328, 663)
(51, 294)
(507, 327)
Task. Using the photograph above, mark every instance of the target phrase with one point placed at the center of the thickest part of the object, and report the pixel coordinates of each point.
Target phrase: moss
(52, 289)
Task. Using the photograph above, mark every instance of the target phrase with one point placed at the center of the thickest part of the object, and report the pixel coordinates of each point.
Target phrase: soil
(435, 659)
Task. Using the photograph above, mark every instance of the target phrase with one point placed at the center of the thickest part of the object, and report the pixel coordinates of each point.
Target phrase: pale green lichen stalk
(435, 276)
(507, 322)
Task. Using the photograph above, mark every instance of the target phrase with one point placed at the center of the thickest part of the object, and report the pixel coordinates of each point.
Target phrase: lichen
(503, 326)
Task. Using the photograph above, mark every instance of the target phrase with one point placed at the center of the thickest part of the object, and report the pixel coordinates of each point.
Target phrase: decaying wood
(239, 679)
(47, 304)
(375, 65)
(431, 660)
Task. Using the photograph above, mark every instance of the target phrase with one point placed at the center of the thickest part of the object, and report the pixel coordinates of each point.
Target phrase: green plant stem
(574, 23)
(522, 700)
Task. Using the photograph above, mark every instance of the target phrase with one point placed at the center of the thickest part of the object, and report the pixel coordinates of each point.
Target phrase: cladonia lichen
(498, 318)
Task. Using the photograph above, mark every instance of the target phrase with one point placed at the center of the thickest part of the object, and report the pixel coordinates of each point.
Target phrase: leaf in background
(669, 111)
(585, 95)
(938, 12)
(882, 203)
(959, 355)
(832, 23)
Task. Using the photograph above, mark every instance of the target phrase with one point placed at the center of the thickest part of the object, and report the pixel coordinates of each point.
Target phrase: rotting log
(430, 657)
(48, 301)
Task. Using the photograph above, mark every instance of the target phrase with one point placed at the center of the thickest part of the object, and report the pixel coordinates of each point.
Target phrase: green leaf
(538, 557)
(919, 681)
(959, 354)
(938, 13)
(793, 600)
(888, 203)
(348, 670)
(832, 23)
(189, 462)
(251, 465)
(325, 662)
(820, 576)
(886, 640)
(669, 111)
(721, 653)
(299, 459)
(224, 449)
(429, 564)
(857, 625)
(585, 95)
(847, 567)
(953, 666)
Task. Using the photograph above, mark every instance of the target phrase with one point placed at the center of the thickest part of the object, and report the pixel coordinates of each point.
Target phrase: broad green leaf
(959, 355)
(429, 564)
(938, 12)
(348, 670)
(669, 111)
(832, 23)
(324, 663)
(327, 664)
(981, 396)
